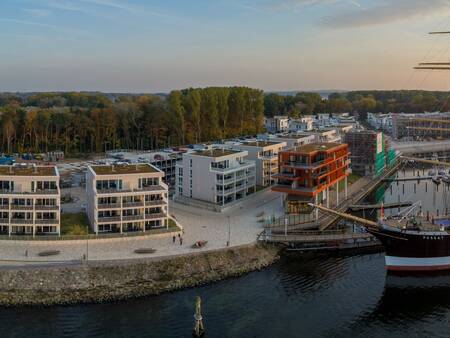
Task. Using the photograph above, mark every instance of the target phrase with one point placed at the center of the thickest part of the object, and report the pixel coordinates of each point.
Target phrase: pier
(356, 207)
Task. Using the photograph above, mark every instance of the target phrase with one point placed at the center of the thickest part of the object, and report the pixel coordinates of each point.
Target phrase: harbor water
(314, 295)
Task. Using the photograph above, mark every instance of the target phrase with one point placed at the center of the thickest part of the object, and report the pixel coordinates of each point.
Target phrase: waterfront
(309, 296)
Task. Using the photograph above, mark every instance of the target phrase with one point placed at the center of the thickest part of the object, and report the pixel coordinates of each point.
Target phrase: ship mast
(435, 65)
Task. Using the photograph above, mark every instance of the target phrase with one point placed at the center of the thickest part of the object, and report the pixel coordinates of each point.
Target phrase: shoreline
(99, 282)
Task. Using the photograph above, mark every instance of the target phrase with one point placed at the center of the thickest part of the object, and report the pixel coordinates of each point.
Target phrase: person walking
(181, 240)
(173, 239)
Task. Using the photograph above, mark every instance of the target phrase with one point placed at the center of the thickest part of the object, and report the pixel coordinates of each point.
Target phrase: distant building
(265, 155)
(426, 126)
(29, 200)
(126, 198)
(308, 172)
(277, 124)
(380, 121)
(304, 123)
(216, 176)
(294, 140)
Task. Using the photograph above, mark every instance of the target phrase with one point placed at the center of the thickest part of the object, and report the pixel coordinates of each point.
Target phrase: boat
(199, 244)
(436, 180)
(412, 242)
(432, 173)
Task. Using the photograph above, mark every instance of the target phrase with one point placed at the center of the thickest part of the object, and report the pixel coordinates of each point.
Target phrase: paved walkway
(198, 225)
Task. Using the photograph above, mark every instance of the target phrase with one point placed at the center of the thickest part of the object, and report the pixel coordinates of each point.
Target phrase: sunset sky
(159, 45)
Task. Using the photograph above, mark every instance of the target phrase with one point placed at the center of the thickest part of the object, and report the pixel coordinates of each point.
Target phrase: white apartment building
(216, 176)
(126, 198)
(265, 155)
(277, 124)
(29, 200)
(294, 140)
(304, 123)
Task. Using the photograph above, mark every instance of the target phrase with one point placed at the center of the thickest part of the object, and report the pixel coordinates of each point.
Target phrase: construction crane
(435, 65)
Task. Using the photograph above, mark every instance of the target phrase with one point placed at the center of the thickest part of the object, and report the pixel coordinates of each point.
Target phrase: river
(300, 296)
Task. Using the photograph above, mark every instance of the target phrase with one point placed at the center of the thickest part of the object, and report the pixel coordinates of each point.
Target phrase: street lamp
(229, 231)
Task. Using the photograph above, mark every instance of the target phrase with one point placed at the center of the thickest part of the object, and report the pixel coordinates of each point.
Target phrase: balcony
(46, 221)
(4, 220)
(154, 216)
(4, 207)
(21, 207)
(108, 205)
(108, 219)
(21, 221)
(153, 188)
(132, 218)
(269, 157)
(132, 204)
(156, 202)
(46, 207)
(235, 167)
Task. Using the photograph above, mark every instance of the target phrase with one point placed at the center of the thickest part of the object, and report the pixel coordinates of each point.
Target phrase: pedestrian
(26, 253)
(181, 240)
(173, 239)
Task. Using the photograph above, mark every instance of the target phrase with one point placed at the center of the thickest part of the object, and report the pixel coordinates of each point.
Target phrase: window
(45, 185)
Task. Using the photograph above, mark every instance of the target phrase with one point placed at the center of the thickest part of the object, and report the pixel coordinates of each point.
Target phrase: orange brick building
(307, 173)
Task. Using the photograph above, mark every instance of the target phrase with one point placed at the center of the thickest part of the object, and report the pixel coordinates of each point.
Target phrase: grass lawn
(74, 224)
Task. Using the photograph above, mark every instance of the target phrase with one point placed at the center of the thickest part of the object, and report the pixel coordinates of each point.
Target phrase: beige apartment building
(126, 198)
(29, 200)
(265, 155)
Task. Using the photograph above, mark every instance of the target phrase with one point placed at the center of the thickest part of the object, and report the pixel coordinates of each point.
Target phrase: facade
(30, 200)
(277, 124)
(307, 173)
(126, 198)
(265, 156)
(328, 135)
(215, 176)
(304, 123)
(367, 150)
(426, 126)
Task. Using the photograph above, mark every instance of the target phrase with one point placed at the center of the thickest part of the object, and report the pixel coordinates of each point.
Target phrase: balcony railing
(46, 207)
(132, 217)
(4, 207)
(240, 165)
(109, 219)
(156, 202)
(4, 220)
(108, 205)
(21, 207)
(154, 216)
(46, 221)
(132, 204)
(21, 221)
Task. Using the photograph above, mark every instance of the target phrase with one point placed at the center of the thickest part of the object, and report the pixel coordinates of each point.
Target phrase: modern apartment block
(29, 200)
(277, 124)
(126, 198)
(426, 126)
(308, 172)
(265, 155)
(304, 123)
(294, 140)
(217, 176)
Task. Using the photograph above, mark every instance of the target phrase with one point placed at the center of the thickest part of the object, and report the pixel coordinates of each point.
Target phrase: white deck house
(217, 176)
(29, 200)
(265, 155)
(125, 198)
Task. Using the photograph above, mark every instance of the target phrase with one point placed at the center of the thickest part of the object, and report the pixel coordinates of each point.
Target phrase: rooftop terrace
(216, 152)
(124, 169)
(15, 170)
(314, 147)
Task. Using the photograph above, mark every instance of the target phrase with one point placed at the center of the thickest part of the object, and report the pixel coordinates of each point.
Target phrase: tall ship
(411, 241)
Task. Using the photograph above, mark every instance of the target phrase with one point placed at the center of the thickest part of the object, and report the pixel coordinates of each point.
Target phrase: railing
(4, 220)
(132, 204)
(21, 221)
(156, 202)
(46, 207)
(154, 216)
(108, 205)
(132, 218)
(46, 221)
(21, 207)
(109, 219)
(4, 207)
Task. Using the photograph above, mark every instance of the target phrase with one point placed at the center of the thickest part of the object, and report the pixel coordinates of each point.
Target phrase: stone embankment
(97, 282)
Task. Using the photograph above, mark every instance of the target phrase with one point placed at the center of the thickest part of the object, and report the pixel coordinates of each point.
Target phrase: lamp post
(229, 231)
(87, 243)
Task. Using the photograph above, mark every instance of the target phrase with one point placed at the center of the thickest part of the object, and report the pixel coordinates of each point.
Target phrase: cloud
(386, 12)
(37, 12)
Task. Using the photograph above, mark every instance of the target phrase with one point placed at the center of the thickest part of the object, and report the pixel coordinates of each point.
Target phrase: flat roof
(260, 143)
(18, 170)
(215, 152)
(294, 136)
(142, 168)
(314, 147)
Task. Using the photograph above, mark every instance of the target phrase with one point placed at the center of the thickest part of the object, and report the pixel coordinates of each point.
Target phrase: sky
(276, 45)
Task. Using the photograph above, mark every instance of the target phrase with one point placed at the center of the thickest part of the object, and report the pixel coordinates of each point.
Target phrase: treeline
(358, 102)
(84, 122)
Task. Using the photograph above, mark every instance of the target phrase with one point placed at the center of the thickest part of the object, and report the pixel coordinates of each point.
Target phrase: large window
(148, 181)
(7, 185)
(109, 184)
(45, 185)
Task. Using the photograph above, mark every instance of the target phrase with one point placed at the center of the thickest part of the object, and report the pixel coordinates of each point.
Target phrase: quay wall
(97, 282)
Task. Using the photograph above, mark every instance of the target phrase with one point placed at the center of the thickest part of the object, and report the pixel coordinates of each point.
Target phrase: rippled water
(298, 297)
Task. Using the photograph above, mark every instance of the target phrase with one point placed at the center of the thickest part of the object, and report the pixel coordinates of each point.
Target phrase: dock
(357, 207)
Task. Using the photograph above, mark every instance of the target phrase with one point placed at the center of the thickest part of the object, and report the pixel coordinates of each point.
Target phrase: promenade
(198, 225)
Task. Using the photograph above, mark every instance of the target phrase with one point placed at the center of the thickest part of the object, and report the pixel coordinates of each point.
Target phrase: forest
(86, 122)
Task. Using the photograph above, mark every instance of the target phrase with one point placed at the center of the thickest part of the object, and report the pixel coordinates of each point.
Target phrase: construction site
(421, 127)
(370, 152)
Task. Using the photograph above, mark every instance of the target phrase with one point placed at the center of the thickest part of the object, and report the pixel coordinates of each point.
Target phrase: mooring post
(199, 329)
